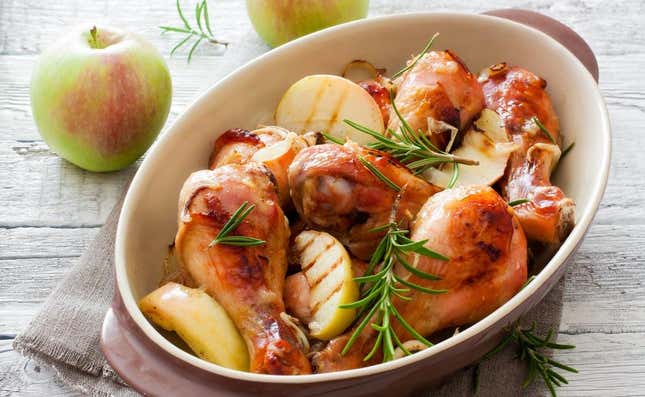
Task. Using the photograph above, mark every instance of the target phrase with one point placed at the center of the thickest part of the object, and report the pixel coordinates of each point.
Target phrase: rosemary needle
(544, 130)
(379, 174)
(567, 150)
(233, 222)
(518, 202)
(416, 59)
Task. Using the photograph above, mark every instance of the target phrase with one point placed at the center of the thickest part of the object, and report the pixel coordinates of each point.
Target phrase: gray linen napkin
(65, 334)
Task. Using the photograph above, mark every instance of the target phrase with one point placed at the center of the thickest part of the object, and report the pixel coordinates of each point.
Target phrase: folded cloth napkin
(65, 334)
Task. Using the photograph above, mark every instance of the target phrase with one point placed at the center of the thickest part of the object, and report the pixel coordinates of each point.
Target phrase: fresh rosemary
(530, 348)
(232, 224)
(332, 138)
(380, 284)
(414, 149)
(518, 202)
(416, 59)
(202, 33)
(379, 174)
(544, 130)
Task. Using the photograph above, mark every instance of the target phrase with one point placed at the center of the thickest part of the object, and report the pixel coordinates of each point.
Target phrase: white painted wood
(50, 210)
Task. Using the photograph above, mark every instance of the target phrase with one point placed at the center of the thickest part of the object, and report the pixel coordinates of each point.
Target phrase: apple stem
(93, 38)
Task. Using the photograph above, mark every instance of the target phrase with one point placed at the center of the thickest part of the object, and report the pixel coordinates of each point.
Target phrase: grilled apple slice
(200, 321)
(321, 102)
(487, 142)
(328, 270)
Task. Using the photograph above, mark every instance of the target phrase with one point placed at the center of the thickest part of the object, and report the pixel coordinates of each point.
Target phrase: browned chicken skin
(478, 231)
(275, 147)
(440, 86)
(518, 95)
(334, 192)
(237, 146)
(379, 90)
(247, 281)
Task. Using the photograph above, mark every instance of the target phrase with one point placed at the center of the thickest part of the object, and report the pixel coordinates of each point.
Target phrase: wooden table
(50, 210)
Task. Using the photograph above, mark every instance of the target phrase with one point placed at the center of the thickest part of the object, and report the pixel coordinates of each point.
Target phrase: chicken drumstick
(246, 281)
(519, 97)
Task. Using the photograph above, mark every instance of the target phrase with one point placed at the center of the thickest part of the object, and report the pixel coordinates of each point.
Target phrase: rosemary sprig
(518, 202)
(414, 149)
(233, 222)
(383, 284)
(416, 59)
(203, 21)
(544, 130)
(379, 174)
(530, 348)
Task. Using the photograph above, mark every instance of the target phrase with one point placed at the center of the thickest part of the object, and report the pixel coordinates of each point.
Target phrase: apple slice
(487, 142)
(328, 270)
(321, 102)
(200, 321)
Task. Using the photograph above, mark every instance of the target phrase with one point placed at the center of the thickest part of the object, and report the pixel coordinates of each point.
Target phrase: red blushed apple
(278, 21)
(100, 96)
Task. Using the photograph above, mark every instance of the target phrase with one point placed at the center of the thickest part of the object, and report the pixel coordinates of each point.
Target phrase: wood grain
(50, 210)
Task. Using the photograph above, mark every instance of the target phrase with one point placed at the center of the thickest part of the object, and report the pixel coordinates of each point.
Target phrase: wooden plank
(44, 242)
(609, 365)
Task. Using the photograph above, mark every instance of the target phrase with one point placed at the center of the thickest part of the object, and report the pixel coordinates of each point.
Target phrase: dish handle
(557, 30)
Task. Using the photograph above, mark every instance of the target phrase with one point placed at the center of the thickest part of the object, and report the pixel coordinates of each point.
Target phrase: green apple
(100, 96)
(278, 21)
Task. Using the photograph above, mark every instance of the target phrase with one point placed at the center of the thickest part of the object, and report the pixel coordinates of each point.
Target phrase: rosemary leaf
(518, 202)
(567, 150)
(379, 174)
(182, 17)
(544, 130)
(455, 175)
(416, 59)
(332, 138)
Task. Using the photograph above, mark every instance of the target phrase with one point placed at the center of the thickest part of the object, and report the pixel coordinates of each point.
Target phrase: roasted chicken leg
(440, 87)
(334, 192)
(237, 146)
(247, 281)
(480, 234)
(519, 96)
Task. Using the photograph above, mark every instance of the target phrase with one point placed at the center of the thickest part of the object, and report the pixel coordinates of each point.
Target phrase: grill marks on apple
(328, 270)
